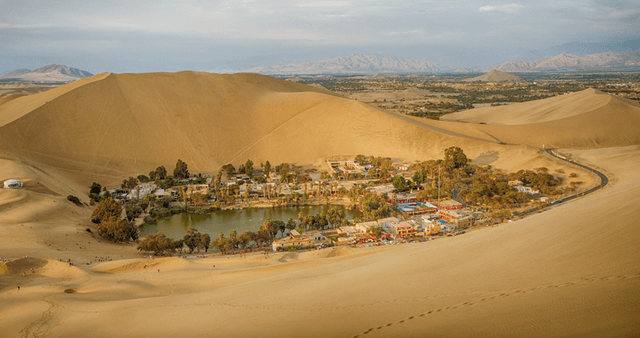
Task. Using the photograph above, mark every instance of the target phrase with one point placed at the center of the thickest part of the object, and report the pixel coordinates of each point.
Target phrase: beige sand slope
(118, 125)
(570, 271)
(587, 119)
(495, 76)
(551, 109)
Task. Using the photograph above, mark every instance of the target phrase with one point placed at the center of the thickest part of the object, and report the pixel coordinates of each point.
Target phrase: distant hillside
(581, 48)
(352, 64)
(463, 70)
(567, 62)
(49, 73)
(495, 76)
(16, 73)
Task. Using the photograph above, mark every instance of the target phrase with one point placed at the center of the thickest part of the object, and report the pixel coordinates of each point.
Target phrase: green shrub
(176, 210)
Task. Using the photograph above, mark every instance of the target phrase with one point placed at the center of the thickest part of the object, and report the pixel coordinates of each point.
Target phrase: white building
(527, 190)
(365, 226)
(447, 227)
(349, 230)
(12, 184)
(388, 222)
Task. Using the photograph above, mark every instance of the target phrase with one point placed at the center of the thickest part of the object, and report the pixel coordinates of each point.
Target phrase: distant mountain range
(374, 63)
(352, 64)
(49, 73)
(567, 62)
(581, 48)
(383, 64)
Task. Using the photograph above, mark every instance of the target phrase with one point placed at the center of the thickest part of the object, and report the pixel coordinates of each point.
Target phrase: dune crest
(550, 109)
(118, 124)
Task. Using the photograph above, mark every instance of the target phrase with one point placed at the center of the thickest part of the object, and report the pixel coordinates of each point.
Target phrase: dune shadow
(485, 158)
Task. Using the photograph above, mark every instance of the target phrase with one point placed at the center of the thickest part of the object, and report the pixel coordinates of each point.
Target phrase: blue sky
(144, 36)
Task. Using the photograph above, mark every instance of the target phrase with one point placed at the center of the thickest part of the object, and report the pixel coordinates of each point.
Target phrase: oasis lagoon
(224, 221)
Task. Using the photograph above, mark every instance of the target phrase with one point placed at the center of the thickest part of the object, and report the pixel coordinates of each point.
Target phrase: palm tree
(266, 225)
(233, 238)
(183, 195)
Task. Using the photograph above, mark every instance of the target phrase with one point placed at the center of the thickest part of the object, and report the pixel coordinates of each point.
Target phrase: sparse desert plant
(75, 200)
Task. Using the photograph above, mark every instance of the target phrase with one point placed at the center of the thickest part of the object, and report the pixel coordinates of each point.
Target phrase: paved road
(604, 180)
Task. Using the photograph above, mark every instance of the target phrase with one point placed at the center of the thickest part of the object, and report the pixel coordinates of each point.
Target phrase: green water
(226, 220)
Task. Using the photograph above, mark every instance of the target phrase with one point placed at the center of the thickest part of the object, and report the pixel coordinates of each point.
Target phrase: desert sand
(496, 76)
(570, 271)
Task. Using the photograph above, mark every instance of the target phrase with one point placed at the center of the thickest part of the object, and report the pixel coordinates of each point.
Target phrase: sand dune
(114, 125)
(131, 265)
(22, 265)
(555, 108)
(587, 119)
(7, 98)
(117, 125)
(570, 271)
(495, 76)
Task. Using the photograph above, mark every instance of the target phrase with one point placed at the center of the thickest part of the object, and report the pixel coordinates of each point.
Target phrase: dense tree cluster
(129, 183)
(110, 225)
(493, 190)
(106, 209)
(267, 168)
(478, 185)
(160, 173)
(454, 158)
(117, 230)
(133, 211)
(400, 184)
(246, 168)
(157, 243)
(332, 218)
(180, 172)
(195, 240)
(373, 206)
(541, 180)
(94, 192)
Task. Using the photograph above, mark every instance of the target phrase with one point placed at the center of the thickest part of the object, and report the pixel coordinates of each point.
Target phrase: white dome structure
(12, 183)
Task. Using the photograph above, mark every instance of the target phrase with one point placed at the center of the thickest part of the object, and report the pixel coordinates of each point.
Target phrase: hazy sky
(145, 35)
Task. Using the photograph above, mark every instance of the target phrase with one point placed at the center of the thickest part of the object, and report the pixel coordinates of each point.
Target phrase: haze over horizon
(227, 36)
